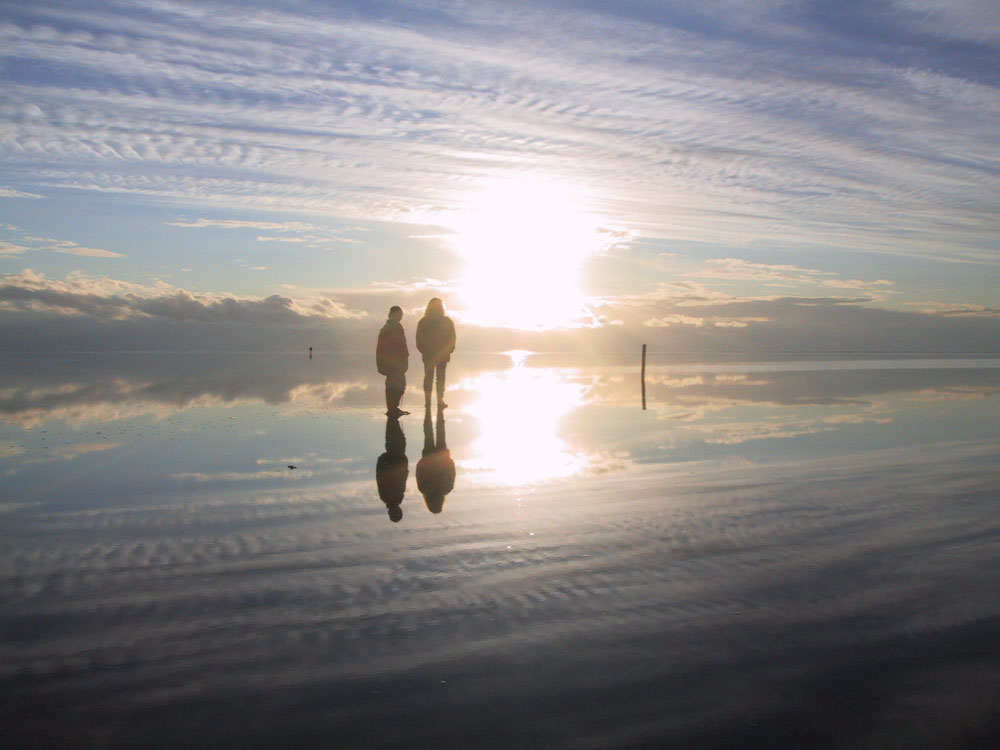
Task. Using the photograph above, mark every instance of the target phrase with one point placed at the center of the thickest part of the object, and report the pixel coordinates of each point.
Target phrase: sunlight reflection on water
(519, 411)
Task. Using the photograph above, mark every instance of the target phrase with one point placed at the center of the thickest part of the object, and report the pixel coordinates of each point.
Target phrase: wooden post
(644, 377)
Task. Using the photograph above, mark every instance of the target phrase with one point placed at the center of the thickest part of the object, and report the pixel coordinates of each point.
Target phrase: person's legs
(428, 381)
(395, 384)
(392, 397)
(441, 367)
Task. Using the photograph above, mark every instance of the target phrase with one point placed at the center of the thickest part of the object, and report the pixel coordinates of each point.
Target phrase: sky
(735, 176)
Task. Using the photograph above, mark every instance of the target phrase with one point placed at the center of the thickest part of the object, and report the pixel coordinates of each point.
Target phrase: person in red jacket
(436, 342)
(392, 359)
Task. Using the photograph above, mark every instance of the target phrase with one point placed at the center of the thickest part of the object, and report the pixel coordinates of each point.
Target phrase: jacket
(391, 354)
(436, 338)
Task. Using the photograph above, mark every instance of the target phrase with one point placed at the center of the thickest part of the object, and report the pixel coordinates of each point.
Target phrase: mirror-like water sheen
(519, 412)
(243, 550)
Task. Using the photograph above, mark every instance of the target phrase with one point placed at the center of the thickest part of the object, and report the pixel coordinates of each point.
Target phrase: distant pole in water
(644, 377)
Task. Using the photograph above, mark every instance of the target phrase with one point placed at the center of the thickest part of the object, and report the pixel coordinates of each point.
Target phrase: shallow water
(771, 554)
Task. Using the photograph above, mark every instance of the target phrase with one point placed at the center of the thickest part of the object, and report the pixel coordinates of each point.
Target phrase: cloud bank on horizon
(290, 163)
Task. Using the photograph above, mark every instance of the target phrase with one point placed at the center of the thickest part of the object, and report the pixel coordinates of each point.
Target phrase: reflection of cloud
(77, 415)
(66, 452)
(772, 428)
(710, 573)
(320, 394)
(954, 393)
(732, 403)
(80, 449)
(242, 476)
(126, 387)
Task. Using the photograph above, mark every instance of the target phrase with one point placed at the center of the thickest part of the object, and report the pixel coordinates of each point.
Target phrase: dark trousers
(429, 368)
(395, 384)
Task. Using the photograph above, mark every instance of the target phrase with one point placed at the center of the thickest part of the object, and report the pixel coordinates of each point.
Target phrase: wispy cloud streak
(870, 130)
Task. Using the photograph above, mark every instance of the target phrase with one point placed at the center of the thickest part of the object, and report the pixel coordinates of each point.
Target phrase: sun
(523, 243)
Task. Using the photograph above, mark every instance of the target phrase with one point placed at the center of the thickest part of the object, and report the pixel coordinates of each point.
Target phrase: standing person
(436, 342)
(392, 359)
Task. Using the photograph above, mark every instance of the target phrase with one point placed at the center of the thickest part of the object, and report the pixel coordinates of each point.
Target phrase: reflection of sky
(778, 525)
(144, 426)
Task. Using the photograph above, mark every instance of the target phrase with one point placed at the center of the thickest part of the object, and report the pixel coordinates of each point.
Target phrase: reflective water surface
(199, 549)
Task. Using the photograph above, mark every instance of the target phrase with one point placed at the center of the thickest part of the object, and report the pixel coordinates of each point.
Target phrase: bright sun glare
(524, 243)
(519, 411)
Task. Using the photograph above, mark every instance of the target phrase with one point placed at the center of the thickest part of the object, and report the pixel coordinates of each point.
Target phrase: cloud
(696, 320)
(262, 238)
(284, 226)
(6, 192)
(868, 130)
(51, 244)
(299, 232)
(953, 310)
(10, 249)
(107, 300)
(784, 275)
(676, 319)
(108, 312)
(72, 248)
(312, 240)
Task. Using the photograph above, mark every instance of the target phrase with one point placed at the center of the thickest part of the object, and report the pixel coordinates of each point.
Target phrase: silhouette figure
(436, 469)
(310, 352)
(436, 342)
(392, 359)
(392, 468)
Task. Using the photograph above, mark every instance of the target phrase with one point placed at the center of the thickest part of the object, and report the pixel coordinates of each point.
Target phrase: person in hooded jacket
(435, 342)
(392, 360)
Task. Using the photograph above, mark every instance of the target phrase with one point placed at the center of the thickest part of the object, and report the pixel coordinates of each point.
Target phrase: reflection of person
(436, 342)
(392, 358)
(436, 469)
(392, 468)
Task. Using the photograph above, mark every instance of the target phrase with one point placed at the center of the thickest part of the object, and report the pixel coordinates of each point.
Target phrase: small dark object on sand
(292, 467)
